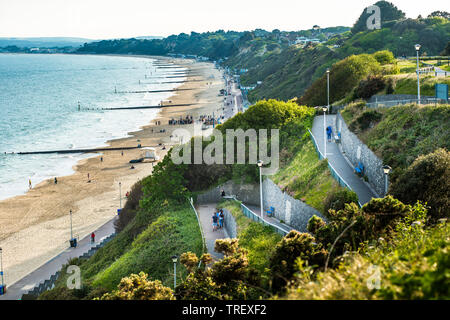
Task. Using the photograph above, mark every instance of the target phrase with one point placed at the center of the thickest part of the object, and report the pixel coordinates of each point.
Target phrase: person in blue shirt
(329, 133)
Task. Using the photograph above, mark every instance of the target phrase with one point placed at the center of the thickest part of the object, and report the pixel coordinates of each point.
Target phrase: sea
(39, 99)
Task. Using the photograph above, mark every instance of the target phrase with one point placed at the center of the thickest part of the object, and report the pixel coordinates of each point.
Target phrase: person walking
(214, 220)
(92, 237)
(329, 133)
(221, 218)
(29, 184)
(56, 181)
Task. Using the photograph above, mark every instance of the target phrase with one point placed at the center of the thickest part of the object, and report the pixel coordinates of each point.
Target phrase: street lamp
(120, 195)
(260, 164)
(386, 170)
(174, 260)
(71, 233)
(325, 130)
(418, 46)
(328, 87)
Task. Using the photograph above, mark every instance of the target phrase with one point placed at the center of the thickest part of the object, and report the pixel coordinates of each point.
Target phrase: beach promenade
(15, 291)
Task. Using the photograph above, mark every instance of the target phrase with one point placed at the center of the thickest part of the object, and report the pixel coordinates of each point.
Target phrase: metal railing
(333, 171)
(253, 216)
(191, 201)
(390, 104)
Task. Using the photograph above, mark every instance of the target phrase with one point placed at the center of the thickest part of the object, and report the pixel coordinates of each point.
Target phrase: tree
(440, 14)
(446, 51)
(389, 12)
(427, 180)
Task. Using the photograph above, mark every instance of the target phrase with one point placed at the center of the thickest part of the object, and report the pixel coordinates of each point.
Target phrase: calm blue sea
(39, 95)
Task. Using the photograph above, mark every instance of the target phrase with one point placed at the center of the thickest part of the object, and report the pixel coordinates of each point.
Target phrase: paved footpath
(272, 220)
(337, 160)
(205, 212)
(16, 290)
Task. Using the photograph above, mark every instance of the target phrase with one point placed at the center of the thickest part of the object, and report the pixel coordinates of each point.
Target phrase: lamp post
(1, 271)
(120, 195)
(260, 164)
(328, 87)
(417, 46)
(386, 170)
(325, 130)
(71, 233)
(174, 260)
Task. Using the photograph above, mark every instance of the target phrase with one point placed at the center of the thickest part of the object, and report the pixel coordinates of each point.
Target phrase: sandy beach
(35, 227)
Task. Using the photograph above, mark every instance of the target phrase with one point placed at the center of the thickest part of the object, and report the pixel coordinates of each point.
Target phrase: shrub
(138, 287)
(427, 180)
(369, 87)
(314, 224)
(365, 120)
(337, 200)
(384, 57)
(131, 206)
(292, 246)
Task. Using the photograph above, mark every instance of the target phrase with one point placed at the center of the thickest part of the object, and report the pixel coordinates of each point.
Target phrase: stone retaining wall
(356, 151)
(229, 223)
(293, 212)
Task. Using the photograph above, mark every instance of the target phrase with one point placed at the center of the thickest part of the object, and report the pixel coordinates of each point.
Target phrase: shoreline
(38, 227)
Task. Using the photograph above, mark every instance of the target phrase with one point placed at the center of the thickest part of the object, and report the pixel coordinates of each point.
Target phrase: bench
(360, 169)
(271, 212)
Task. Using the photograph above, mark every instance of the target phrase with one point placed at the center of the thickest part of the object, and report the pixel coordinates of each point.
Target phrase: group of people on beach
(187, 120)
(209, 120)
(217, 220)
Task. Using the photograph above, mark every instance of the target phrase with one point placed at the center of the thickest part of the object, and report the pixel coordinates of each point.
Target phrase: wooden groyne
(75, 151)
(157, 91)
(139, 107)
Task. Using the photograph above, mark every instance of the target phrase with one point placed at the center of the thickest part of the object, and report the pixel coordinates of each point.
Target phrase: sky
(106, 19)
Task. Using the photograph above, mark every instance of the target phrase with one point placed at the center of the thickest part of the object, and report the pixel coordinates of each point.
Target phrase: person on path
(329, 133)
(214, 220)
(92, 237)
(221, 218)
(56, 181)
(223, 193)
(29, 184)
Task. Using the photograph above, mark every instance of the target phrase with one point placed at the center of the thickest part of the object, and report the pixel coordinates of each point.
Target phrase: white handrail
(259, 218)
(200, 225)
(330, 165)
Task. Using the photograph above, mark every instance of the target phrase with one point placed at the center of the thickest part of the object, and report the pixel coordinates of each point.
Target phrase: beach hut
(149, 154)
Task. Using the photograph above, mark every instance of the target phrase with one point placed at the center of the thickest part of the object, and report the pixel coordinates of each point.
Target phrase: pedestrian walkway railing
(253, 216)
(333, 171)
(191, 201)
(393, 103)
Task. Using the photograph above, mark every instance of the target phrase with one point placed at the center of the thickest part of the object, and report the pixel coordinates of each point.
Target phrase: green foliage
(230, 278)
(427, 180)
(259, 241)
(130, 209)
(337, 200)
(413, 265)
(305, 177)
(344, 76)
(406, 132)
(389, 12)
(138, 287)
(384, 57)
(292, 246)
(408, 85)
(175, 231)
(367, 119)
(369, 87)
(314, 224)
